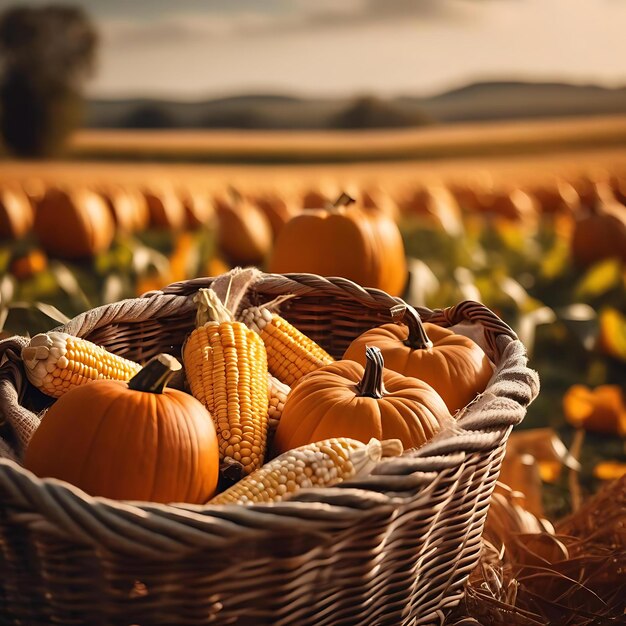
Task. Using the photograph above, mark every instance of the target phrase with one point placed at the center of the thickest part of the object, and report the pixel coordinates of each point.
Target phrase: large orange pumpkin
(362, 245)
(130, 441)
(73, 224)
(244, 234)
(600, 232)
(346, 400)
(454, 365)
(16, 213)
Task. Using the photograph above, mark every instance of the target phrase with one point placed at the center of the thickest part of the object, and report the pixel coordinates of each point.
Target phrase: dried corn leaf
(573, 576)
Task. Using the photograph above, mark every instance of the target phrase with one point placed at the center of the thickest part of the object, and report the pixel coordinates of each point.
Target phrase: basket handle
(475, 312)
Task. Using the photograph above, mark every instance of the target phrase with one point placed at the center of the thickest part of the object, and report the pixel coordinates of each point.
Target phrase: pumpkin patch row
(76, 221)
(266, 412)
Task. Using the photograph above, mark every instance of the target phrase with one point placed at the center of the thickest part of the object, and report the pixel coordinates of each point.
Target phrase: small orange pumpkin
(601, 410)
(364, 246)
(73, 224)
(16, 213)
(165, 208)
(600, 233)
(130, 441)
(276, 209)
(346, 400)
(199, 210)
(127, 206)
(454, 365)
(559, 198)
(244, 234)
(28, 265)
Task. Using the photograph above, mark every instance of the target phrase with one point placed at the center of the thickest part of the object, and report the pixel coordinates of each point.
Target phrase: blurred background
(148, 142)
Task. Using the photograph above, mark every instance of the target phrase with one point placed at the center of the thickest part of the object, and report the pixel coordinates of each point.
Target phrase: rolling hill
(475, 102)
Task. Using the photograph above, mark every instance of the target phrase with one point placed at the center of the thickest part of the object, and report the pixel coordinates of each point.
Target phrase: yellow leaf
(609, 470)
(612, 340)
(601, 278)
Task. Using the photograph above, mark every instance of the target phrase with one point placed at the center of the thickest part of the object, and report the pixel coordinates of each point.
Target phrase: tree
(371, 112)
(46, 53)
(148, 116)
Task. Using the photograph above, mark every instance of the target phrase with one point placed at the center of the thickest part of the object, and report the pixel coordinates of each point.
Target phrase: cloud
(275, 19)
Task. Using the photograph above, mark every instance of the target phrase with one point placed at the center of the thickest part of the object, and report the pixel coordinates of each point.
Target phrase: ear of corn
(290, 353)
(321, 464)
(55, 362)
(278, 396)
(226, 366)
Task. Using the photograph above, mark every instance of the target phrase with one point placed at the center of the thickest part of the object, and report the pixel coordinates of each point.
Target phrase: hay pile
(532, 573)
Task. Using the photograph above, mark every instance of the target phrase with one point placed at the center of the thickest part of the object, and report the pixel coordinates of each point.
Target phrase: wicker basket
(395, 548)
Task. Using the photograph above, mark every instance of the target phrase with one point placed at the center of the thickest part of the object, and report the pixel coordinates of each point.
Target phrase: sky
(190, 49)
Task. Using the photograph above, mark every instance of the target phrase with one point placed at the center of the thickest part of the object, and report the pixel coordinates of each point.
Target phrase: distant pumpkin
(127, 206)
(28, 265)
(165, 207)
(244, 234)
(73, 223)
(602, 409)
(16, 213)
(276, 208)
(199, 210)
(600, 231)
(363, 245)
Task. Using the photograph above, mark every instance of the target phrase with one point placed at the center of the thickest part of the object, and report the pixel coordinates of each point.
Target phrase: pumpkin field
(513, 233)
(539, 239)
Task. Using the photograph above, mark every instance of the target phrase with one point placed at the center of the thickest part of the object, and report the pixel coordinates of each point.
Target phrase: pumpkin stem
(343, 200)
(417, 339)
(371, 385)
(210, 308)
(155, 375)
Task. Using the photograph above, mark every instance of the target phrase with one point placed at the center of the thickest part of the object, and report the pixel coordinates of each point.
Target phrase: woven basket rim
(478, 430)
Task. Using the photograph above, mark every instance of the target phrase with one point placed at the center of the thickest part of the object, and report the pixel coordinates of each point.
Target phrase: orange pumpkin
(454, 365)
(435, 204)
(346, 400)
(199, 210)
(73, 224)
(601, 410)
(320, 195)
(165, 208)
(560, 198)
(16, 213)
(244, 234)
(28, 265)
(128, 208)
(362, 245)
(276, 209)
(600, 232)
(130, 441)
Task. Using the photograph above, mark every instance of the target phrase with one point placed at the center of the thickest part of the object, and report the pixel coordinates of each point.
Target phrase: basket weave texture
(395, 548)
